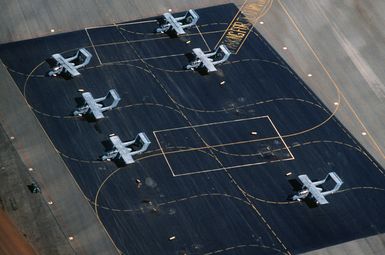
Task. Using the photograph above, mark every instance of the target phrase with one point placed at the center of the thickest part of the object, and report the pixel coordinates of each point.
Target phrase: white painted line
(158, 38)
(165, 153)
(232, 167)
(231, 22)
(212, 123)
(220, 145)
(123, 24)
(161, 149)
(204, 40)
(146, 40)
(283, 141)
(93, 46)
(137, 59)
(136, 23)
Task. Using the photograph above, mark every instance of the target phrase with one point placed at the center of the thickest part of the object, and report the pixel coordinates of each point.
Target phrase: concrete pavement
(338, 42)
(72, 212)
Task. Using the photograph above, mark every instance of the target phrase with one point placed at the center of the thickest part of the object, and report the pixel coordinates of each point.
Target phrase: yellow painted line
(161, 149)
(243, 23)
(236, 15)
(255, 22)
(330, 77)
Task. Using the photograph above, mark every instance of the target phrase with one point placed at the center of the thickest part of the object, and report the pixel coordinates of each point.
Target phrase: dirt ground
(12, 242)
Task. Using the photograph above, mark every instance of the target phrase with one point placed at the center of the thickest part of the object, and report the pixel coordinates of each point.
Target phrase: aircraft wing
(66, 65)
(205, 60)
(174, 23)
(124, 152)
(95, 109)
(314, 191)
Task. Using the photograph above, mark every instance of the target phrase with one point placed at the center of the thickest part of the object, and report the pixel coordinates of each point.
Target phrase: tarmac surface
(234, 199)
